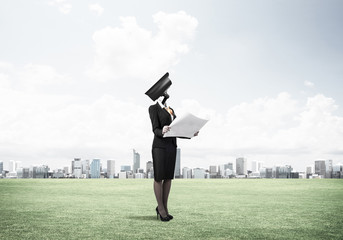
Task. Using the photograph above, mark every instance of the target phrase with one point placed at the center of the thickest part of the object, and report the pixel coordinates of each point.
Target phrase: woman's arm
(155, 122)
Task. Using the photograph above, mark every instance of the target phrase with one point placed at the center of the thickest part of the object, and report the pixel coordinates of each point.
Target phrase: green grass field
(202, 209)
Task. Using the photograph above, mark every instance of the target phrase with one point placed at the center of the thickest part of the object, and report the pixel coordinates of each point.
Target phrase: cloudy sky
(268, 75)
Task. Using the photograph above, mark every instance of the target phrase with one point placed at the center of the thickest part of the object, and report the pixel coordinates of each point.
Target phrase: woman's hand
(165, 129)
(196, 134)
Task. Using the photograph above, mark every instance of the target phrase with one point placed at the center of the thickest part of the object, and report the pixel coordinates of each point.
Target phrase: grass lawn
(202, 209)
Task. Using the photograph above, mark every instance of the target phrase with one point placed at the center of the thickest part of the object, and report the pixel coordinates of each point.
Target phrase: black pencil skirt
(164, 162)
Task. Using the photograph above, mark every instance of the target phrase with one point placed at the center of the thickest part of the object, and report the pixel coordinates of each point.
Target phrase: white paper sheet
(185, 126)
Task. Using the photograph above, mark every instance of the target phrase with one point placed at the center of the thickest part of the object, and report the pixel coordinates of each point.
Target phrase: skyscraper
(319, 167)
(308, 171)
(241, 166)
(1, 167)
(11, 167)
(95, 168)
(136, 161)
(85, 168)
(254, 166)
(177, 172)
(149, 169)
(213, 171)
(328, 169)
(110, 168)
(77, 168)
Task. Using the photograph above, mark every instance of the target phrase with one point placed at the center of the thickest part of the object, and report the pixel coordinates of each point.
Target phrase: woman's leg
(158, 189)
(166, 190)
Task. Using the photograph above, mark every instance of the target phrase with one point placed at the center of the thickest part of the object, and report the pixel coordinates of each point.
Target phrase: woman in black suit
(163, 149)
(163, 155)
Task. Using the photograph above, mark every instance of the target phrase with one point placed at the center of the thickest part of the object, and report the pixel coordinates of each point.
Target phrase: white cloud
(63, 5)
(132, 51)
(96, 8)
(278, 126)
(309, 84)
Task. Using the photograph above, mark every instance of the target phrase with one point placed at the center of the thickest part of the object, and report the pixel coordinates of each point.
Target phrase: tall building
(85, 168)
(11, 167)
(95, 168)
(241, 166)
(213, 171)
(110, 168)
(149, 169)
(254, 166)
(1, 167)
(308, 171)
(177, 172)
(328, 169)
(136, 161)
(66, 170)
(77, 168)
(319, 167)
(259, 166)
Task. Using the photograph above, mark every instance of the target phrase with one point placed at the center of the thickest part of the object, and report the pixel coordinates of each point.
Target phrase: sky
(267, 74)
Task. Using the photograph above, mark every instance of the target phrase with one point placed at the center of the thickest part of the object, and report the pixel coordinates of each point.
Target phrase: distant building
(319, 167)
(58, 174)
(77, 168)
(285, 172)
(125, 168)
(23, 172)
(229, 173)
(266, 172)
(328, 169)
(139, 175)
(254, 167)
(186, 172)
(229, 166)
(41, 171)
(1, 167)
(12, 167)
(66, 170)
(122, 175)
(259, 166)
(199, 173)
(136, 161)
(149, 169)
(337, 171)
(309, 171)
(110, 168)
(177, 172)
(241, 166)
(85, 168)
(95, 168)
(212, 171)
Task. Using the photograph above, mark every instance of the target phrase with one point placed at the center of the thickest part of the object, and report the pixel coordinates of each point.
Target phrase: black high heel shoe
(170, 216)
(163, 219)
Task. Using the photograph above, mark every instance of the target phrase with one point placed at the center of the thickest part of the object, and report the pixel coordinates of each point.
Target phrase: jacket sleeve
(156, 126)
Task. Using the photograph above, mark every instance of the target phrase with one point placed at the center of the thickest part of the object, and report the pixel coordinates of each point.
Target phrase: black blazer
(160, 118)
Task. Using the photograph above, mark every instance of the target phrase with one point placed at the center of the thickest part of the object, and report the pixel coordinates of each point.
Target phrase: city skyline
(266, 73)
(240, 167)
